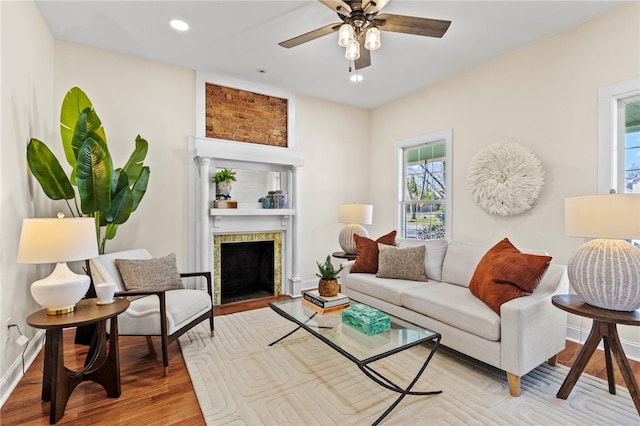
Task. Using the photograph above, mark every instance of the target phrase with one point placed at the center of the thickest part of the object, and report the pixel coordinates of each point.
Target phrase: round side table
(343, 255)
(604, 328)
(101, 367)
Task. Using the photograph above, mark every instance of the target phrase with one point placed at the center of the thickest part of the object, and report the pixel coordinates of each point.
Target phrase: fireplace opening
(247, 270)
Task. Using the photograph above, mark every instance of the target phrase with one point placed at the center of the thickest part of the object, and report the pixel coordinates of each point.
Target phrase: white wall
(543, 96)
(134, 96)
(333, 140)
(26, 112)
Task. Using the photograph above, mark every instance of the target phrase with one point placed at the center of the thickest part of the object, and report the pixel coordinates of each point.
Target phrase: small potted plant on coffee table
(328, 285)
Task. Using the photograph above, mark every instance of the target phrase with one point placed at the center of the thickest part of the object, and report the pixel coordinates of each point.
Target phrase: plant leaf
(48, 171)
(120, 207)
(134, 164)
(74, 102)
(119, 180)
(111, 231)
(140, 187)
(88, 126)
(93, 177)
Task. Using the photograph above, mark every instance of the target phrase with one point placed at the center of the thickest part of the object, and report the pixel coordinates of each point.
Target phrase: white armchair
(167, 314)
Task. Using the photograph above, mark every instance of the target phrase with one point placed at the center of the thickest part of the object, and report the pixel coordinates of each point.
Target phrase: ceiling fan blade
(373, 6)
(411, 25)
(311, 35)
(365, 56)
(337, 6)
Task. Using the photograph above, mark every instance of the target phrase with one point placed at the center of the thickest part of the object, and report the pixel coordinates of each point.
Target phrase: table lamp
(354, 215)
(58, 240)
(605, 271)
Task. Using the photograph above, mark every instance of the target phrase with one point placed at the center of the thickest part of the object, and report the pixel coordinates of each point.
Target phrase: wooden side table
(58, 382)
(604, 328)
(343, 255)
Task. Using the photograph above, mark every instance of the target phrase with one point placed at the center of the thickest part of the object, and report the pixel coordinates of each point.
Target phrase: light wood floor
(149, 398)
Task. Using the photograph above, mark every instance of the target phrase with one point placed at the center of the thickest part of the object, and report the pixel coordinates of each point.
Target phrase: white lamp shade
(355, 213)
(53, 240)
(614, 216)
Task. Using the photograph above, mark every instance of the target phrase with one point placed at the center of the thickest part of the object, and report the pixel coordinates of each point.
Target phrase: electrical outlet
(22, 340)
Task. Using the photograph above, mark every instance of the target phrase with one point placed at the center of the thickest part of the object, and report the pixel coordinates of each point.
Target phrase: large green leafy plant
(109, 195)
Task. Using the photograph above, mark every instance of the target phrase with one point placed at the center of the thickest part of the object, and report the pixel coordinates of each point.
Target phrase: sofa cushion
(453, 305)
(433, 257)
(460, 262)
(388, 289)
(367, 260)
(401, 263)
(150, 274)
(103, 268)
(505, 273)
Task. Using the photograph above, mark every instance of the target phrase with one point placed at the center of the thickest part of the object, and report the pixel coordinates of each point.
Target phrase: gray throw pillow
(155, 274)
(406, 263)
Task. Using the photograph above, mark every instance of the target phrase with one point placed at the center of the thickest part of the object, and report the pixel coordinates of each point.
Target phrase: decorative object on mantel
(274, 200)
(354, 215)
(505, 178)
(223, 179)
(225, 204)
(605, 271)
(328, 285)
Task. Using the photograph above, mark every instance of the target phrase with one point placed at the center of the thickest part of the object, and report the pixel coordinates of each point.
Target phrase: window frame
(610, 162)
(445, 135)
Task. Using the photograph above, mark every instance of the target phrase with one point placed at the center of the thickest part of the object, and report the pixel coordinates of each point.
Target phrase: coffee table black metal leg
(293, 331)
(388, 384)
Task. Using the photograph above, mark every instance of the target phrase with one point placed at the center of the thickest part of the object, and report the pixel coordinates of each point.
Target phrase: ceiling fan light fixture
(372, 39)
(352, 51)
(346, 35)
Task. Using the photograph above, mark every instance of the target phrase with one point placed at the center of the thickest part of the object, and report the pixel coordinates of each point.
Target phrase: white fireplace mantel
(204, 222)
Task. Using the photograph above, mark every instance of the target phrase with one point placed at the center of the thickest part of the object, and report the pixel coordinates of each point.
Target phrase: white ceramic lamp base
(61, 290)
(606, 274)
(347, 242)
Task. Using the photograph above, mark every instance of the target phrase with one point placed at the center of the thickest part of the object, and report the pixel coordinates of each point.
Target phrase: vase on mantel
(223, 190)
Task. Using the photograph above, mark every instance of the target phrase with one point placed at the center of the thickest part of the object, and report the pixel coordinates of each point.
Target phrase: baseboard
(10, 380)
(579, 335)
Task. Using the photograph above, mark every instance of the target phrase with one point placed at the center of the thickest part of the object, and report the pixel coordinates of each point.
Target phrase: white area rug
(239, 380)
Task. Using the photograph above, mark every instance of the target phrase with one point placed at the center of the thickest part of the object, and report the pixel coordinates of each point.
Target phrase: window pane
(630, 117)
(424, 193)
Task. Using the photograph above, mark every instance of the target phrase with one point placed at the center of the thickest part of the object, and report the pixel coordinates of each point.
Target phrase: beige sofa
(528, 331)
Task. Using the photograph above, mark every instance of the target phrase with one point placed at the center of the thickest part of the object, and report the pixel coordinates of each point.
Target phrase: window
(424, 188)
(619, 138)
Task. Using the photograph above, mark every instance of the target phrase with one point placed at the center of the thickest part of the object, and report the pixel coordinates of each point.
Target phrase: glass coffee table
(358, 347)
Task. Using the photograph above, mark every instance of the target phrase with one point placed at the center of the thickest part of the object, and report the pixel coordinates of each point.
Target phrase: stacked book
(313, 300)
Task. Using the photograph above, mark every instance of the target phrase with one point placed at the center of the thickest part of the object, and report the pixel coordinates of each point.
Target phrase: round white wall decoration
(505, 178)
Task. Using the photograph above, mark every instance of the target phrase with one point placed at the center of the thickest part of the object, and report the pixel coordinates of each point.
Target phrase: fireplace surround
(209, 227)
(246, 264)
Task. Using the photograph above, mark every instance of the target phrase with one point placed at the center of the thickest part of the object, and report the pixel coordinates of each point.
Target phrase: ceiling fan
(359, 31)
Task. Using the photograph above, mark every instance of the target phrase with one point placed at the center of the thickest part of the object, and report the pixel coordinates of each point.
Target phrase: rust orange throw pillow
(367, 260)
(505, 273)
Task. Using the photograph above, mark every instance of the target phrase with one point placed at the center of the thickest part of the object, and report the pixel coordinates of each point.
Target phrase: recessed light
(261, 71)
(179, 25)
(356, 78)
